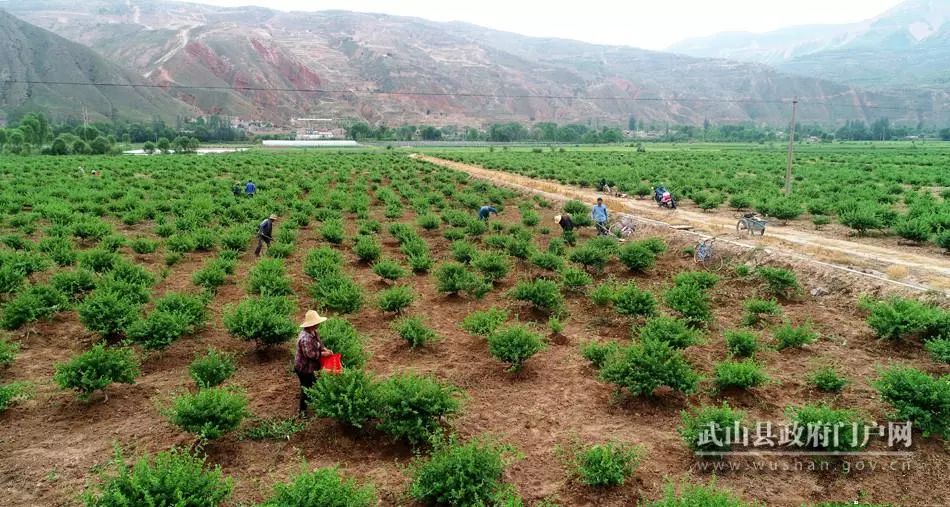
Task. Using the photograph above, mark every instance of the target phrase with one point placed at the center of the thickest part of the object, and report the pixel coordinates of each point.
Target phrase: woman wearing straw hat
(309, 351)
(567, 226)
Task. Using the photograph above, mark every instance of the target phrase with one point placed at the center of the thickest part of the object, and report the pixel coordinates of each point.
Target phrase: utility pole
(791, 150)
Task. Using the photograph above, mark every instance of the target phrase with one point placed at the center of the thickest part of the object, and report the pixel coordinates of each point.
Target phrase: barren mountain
(907, 46)
(263, 63)
(30, 56)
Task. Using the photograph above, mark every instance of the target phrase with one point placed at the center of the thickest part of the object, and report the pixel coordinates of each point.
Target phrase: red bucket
(332, 363)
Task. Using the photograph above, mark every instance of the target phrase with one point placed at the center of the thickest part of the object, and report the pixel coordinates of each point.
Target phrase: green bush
(789, 336)
(395, 299)
(824, 419)
(234, 240)
(598, 353)
(575, 280)
(739, 375)
(324, 487)
(212, 368)
(348, 397)
(631, 301)
(411, 407)
(338, 335)
(181, 243)
(264, 320)
(702, 279)
(107, 312)
(190, 307)
(493, 266)
(144, 246)
(913, 229)
(693, 495)
(464, 251)
(547, 261)
(8, 351)
(453, 278)
(269, 278)
(655, 245)
(174, 477)
(367, 249)
(543, 295)
(10, 279)
(605, 293)
(637, 257)
(60, 250)
(741, 342)
(757, 309)
(484, 322)
(605, 465)
(590, 256)
(415, 332)
(917, 397)
(34, 303)
(691, 303)
(388, 269)
(209, 413)
(781, 282)
(827, 379)
(714, 422)
(672, 331)
(321, 262)
(899, 318)
(210, 277)
(96, 369)
(576, 208)
(429, 221)
(14, 392)
(332, 231)
(157, 331)
(643, 367)
(98, 260)
(939, 349)
(943, 240)
(460, 474)
(513, 345)
(75, 284)
(338, 292)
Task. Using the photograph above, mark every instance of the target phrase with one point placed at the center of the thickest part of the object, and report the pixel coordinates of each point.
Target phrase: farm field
(883, 193)
(543, 358)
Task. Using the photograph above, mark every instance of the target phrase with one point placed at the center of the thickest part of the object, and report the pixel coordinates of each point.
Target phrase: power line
(449, 94)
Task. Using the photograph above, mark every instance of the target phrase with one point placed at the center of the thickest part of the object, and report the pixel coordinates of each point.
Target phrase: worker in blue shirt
(486, 210)
(599, 215)
(250, 188)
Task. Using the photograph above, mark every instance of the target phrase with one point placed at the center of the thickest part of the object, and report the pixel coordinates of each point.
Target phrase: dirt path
(906, 268)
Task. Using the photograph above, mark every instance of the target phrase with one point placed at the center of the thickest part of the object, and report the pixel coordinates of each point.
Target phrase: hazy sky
(651, 24)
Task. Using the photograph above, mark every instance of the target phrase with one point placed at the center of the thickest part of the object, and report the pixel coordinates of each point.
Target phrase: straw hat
(272, 217)
(312, 319)
(557, 219)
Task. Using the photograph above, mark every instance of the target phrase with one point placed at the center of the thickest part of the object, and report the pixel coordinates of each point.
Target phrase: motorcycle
(664, 198)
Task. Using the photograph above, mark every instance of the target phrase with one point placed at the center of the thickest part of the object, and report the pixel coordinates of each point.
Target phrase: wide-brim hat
(557, 219)
(312, 318)
(273, 217)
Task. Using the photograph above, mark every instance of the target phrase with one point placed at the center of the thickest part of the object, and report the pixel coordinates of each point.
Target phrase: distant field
(883, 188)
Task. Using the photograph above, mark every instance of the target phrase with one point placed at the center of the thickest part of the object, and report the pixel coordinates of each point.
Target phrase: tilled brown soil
(50, 447)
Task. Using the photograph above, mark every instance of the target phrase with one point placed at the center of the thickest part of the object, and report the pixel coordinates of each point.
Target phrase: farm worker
(250, 188)
(567, 225)
(236, 189)
(309, 351)
(599, 214)
(265, 233)
(486, 210)
(601, 184)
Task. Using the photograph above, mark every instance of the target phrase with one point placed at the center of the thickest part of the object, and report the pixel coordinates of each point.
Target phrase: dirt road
(890, 264)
